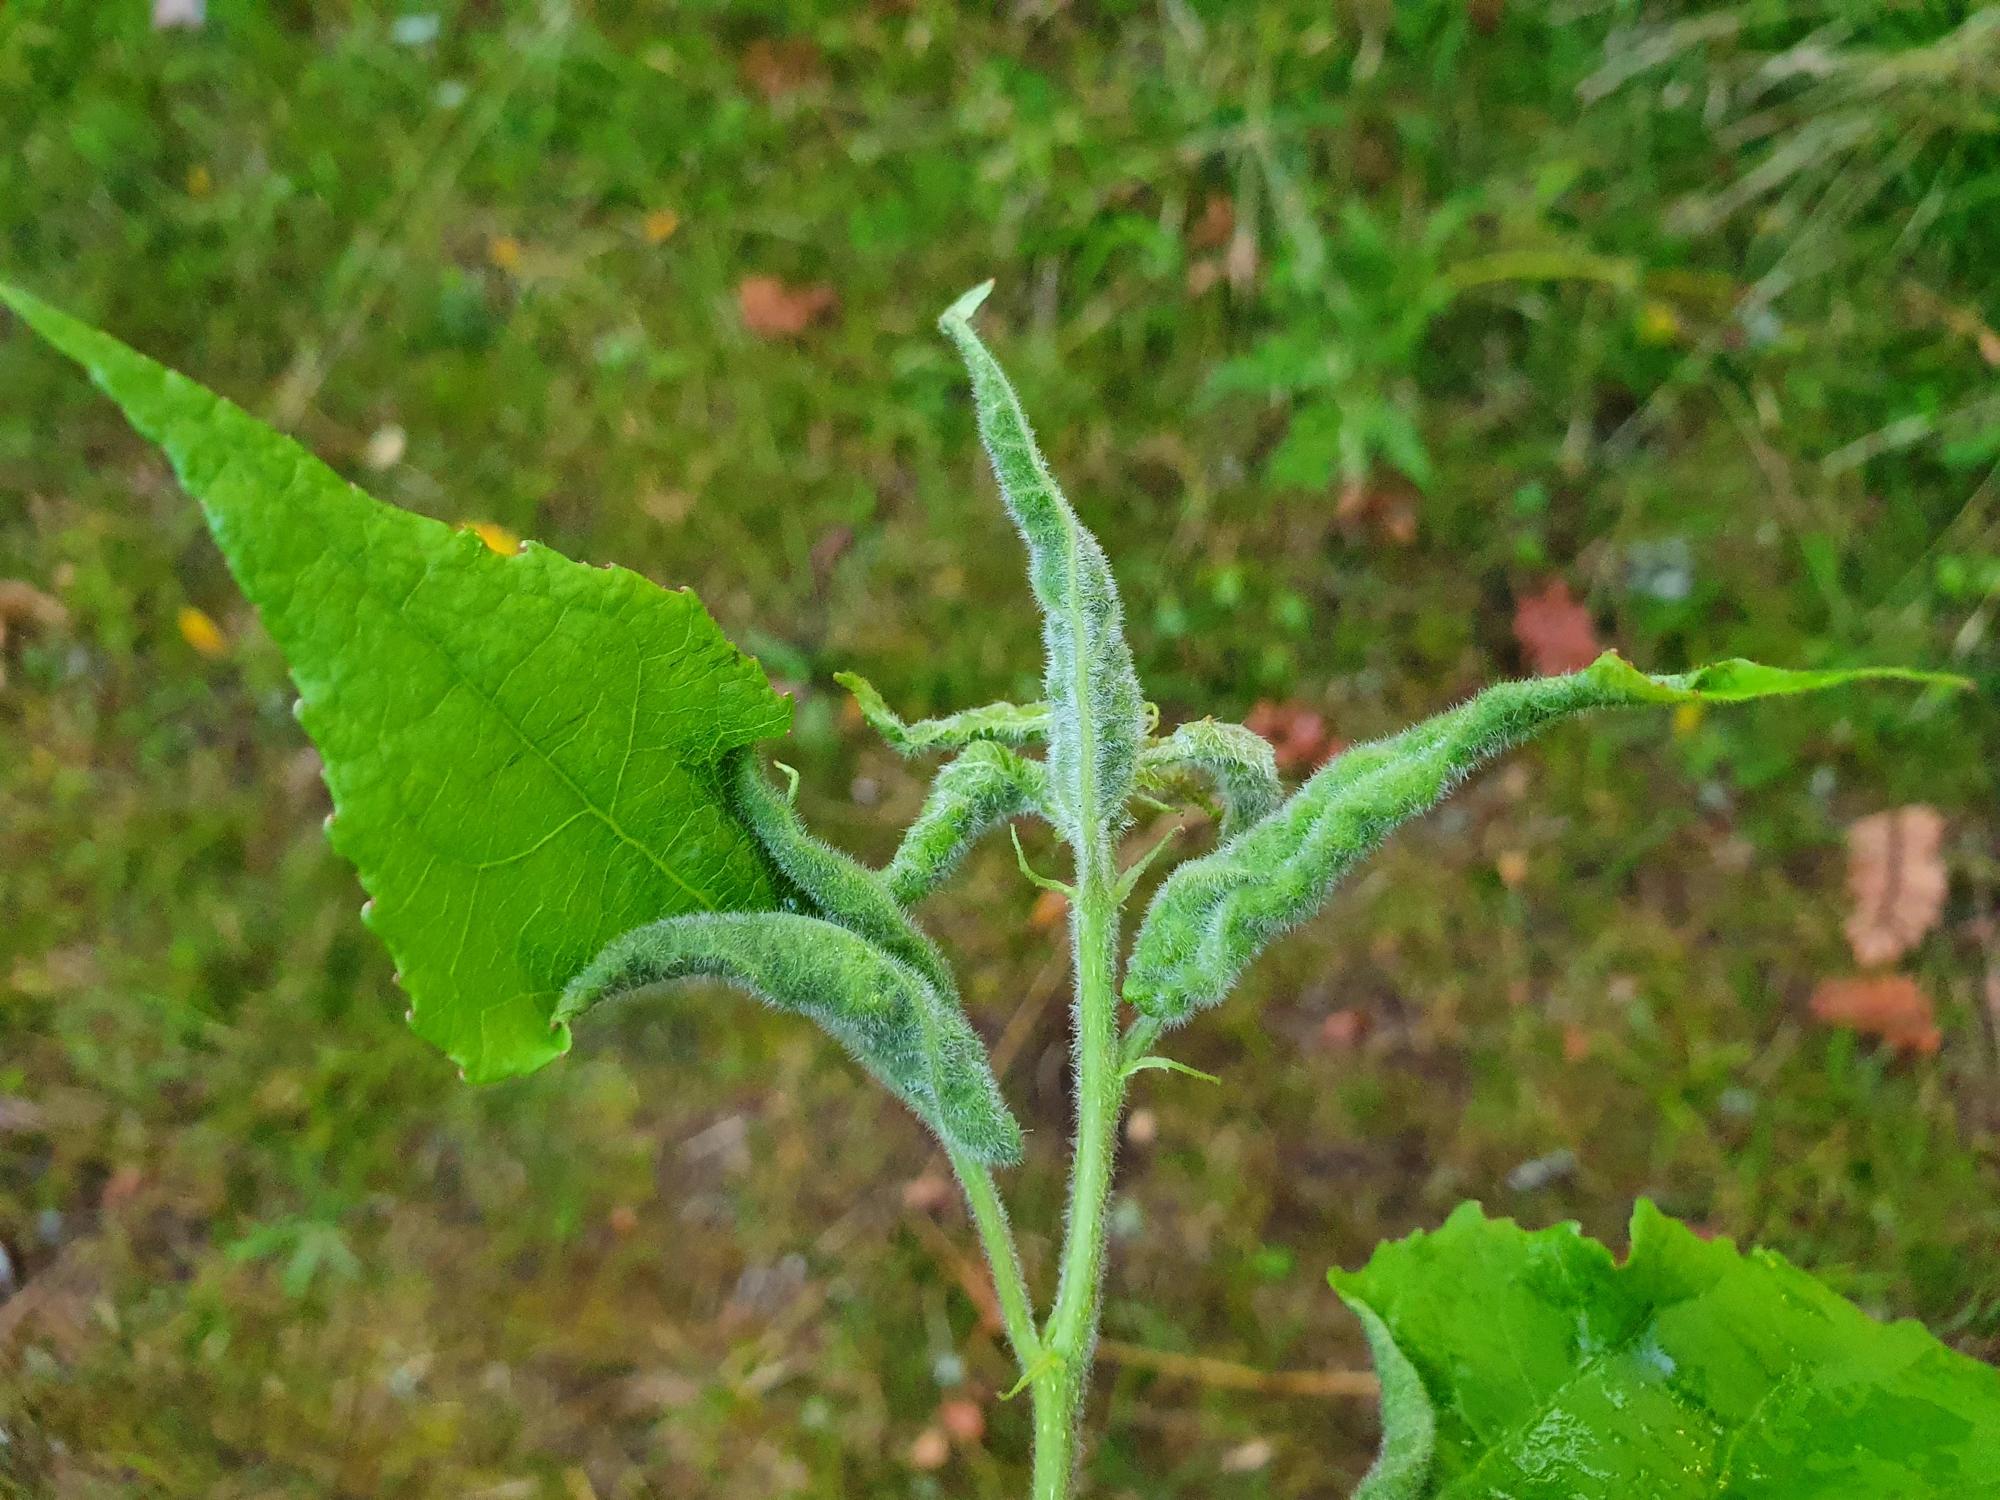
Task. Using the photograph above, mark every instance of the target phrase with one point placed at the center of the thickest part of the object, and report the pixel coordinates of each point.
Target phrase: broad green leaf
(1690, 1371)
(1007, 723)
(1097, 715)
(916, 1041)
(985, 786)
(524, 753)
(1213, 915)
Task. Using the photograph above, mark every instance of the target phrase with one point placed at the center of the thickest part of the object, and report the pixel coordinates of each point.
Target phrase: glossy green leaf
(1693, 1371)
(916, 1041)
(524, 753)
(1213, 915)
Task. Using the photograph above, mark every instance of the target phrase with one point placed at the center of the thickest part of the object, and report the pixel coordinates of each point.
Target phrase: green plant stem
(1070, 1335)
(996, 1237)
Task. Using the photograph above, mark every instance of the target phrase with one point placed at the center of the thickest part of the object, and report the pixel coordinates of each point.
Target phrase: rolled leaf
(1006, 723)
(1213, 915)
(893, 1022)
(841, 889)
(1097, 713)
(1409, 1425)
(523, 752)
(1238, 763)
(1690, 1372)
(985, 786)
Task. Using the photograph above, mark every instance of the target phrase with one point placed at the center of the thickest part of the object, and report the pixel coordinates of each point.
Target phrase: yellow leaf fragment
(505, 252)
(497, 537)
(660, 225)
(200, 632)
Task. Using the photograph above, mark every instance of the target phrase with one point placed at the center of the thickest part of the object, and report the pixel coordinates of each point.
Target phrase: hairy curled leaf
(1213, 915)
(1097, 713)
(1237, 762)
(917, 1042)
(985, 786)
(841, 889)
(1006, 723)
(1409, 1422)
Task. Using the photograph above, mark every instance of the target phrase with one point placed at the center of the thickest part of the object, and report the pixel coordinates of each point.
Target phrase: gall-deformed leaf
(841, 889)
(524, 753)
(1097, 713)
(1213, 915)
(1237, 762)
(1691, 1372)
(1006, 723)
(984, 787)
(917, 1042)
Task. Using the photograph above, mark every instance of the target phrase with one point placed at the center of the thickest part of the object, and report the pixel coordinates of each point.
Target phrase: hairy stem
(996, 1237)
(1070, 1336)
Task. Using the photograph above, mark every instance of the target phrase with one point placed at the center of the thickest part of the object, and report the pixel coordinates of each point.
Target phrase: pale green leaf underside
(1097, 715)
(1689, 1373)
(1409, 1425)
(1213, 915)
(523, 752)
(887, 1015)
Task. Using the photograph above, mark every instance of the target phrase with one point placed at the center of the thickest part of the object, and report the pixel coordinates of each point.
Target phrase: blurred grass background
(1348, 329)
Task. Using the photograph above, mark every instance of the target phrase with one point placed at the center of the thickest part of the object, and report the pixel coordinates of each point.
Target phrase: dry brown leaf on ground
(1897, 878)
(1297, 734)
(24, 604)
(1216, 226)
(1890, 1006)
(775, 69)
(773, 310)
(1556, 633)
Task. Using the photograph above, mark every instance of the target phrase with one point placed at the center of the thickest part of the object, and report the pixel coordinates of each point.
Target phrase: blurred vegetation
(1347, 327)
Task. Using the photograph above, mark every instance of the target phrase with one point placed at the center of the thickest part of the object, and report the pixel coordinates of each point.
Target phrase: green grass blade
(914, 1040)
(1097, 713)
(524, 753)
(1691, 1371)
(1213, 915)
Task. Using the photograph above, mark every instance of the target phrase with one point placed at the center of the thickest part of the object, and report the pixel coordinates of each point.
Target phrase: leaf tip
(962, 310)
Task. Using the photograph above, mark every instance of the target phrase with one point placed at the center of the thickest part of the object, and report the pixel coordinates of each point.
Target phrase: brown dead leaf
(55, 1304)
(775, 69)
(1216, 226)
(19, 1116)
(1384, 504)
(1897, 879)
(773, 310)
(24, 604)
(1050, 907)
(1890, 1006)
(1239, 262)
(1989, 346)
(1297, 734)
(963, 1420)
(931, 1450)
(1556, 633)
